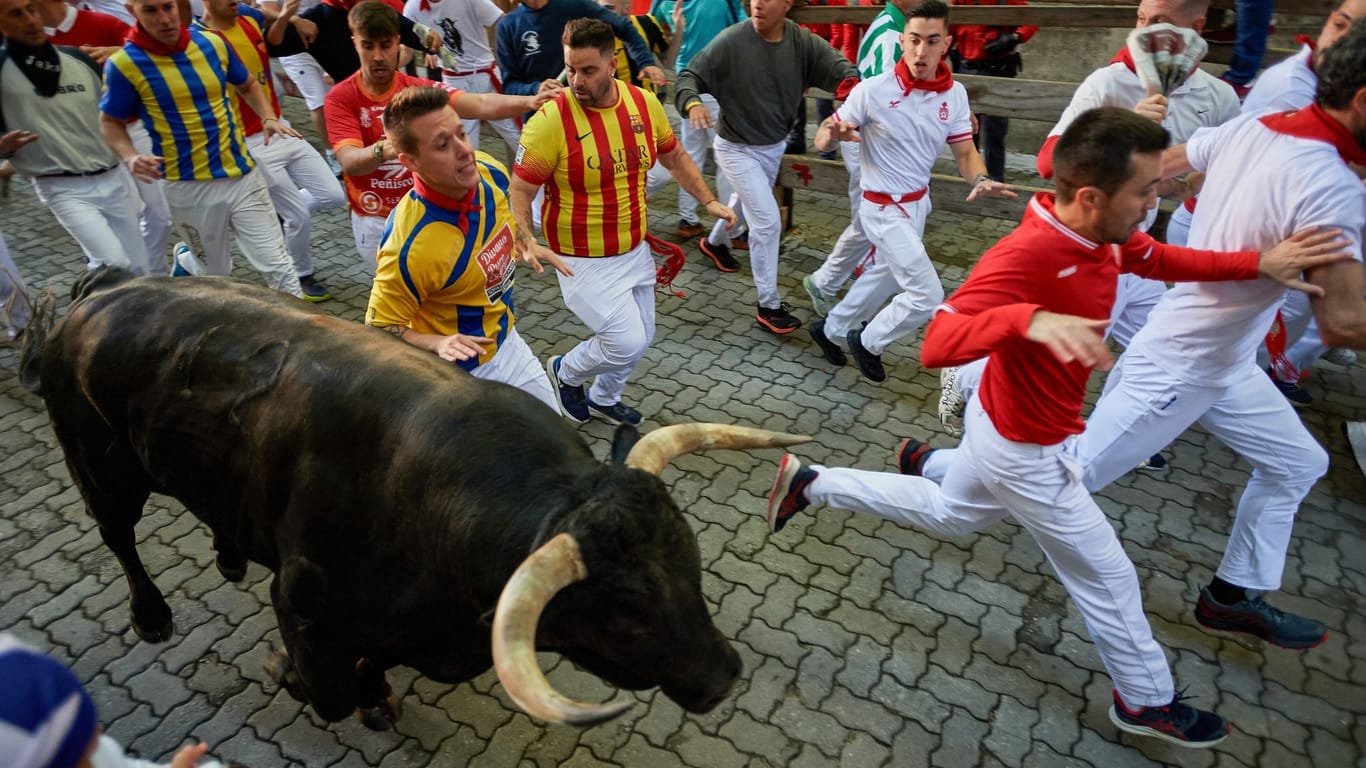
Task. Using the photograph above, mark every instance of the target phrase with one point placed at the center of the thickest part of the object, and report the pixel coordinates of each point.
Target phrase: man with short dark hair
(445, 268)
(375, 180)
(592, 148)
(1036, 304)
(1195, 360)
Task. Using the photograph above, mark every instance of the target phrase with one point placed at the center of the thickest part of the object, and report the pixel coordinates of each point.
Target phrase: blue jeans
(1254, 16)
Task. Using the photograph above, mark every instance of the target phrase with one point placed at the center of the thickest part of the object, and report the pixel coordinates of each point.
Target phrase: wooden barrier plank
(1043, 16)
(830, 177)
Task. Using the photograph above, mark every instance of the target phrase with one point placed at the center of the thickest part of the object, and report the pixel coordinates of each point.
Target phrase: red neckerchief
(1315, 124)
(1313, 46)
(465, 204)
(345, 5)
(1127, 59)
(942, 80)
(144, 40)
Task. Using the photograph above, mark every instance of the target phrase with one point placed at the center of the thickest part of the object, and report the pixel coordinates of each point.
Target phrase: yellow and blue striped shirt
(446, 266)
(185, 102)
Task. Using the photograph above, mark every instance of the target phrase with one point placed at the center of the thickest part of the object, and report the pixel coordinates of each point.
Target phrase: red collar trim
(465, 204)
(144, 40)
(942, 80)
(1313, 46)
(1316, 125)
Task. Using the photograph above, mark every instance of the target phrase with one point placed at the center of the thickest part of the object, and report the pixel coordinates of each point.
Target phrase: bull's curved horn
(658, 448)
(552, 567)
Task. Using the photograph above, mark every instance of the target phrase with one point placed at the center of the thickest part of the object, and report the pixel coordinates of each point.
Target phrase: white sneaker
(951, 402)
(186, 263)
(1343, 357)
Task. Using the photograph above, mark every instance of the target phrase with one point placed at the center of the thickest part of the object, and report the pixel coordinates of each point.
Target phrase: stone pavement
(864, 643)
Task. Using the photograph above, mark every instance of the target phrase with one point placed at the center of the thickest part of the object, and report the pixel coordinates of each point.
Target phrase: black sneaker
(1255, 616)
(867, 362)
(1292, 392)
(573, 400)
(787, 497)
(1154, 463)
(1181, 724)
(719, 255)
(911, 456)
(829, 348)
(780, 321)
(620, 413)
(313, 289)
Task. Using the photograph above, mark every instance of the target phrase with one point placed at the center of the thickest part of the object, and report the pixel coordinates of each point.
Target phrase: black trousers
(991, 130)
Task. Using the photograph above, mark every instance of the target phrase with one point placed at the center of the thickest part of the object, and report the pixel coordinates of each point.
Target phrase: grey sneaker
(819, 301)
(1343, 357)
(952, 404)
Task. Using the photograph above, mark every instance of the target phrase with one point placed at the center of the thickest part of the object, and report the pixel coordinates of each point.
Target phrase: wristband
(709, 202)
(981, 177)
(688, 107)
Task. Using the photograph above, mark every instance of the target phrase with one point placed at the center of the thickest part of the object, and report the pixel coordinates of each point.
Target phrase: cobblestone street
(864, 643)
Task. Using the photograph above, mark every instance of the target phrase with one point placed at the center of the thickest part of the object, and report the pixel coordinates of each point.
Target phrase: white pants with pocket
(299, 182)
(516, 365)
(204, 211)
(1040, 487)
(1148, 408)
(853, 245)
(156, 212)
(101, 213)
(751, 172)
(369, 233)
(903, 273)
(615, 298)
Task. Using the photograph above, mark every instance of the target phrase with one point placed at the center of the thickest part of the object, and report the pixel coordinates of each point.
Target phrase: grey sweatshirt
(757, 83)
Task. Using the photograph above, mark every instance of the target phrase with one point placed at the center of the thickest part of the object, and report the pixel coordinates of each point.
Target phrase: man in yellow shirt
(444, 274)
(591, 147)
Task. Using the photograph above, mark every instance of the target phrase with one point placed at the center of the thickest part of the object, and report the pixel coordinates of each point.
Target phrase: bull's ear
(623, 441)
(486, 618)
(303, 587)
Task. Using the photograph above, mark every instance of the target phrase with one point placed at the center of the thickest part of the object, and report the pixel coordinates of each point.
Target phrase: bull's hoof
(232, 571)
(280, 668)
(157, 633)
(382, 716)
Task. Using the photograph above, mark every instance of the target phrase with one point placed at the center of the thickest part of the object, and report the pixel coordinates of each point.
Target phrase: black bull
(394, 497)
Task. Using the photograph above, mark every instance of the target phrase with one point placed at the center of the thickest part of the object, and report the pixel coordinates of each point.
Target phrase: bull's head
(650, 625)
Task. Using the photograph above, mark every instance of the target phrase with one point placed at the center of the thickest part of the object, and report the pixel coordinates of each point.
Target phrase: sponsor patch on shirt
(495, 258)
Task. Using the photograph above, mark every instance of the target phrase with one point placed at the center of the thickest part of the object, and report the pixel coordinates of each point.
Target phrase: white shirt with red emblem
(1263, 185)
(1291, 84)
(902, 128)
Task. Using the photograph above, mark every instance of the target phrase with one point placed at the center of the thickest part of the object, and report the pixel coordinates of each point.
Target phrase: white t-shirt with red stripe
(1263, 185)
(902, 128)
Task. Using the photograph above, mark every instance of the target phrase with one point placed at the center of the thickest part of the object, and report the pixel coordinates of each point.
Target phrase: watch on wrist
(378, 151)
(981, 177)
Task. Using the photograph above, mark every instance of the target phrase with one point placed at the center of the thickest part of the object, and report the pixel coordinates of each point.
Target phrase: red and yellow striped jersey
(247, 39)
(593, 164)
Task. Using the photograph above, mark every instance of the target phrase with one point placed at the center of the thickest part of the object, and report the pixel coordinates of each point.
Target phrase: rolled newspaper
(1165, 55)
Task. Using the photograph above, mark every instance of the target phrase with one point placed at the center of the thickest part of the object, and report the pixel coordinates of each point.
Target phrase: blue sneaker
(1254, 616)
(618, 413)
(313, 289)
(573, 400)
(185, 264)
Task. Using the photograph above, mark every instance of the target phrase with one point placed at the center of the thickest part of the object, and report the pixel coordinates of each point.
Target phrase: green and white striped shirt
(881, 47)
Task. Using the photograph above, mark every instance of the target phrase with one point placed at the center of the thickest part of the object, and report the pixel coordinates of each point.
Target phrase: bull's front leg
(151, 616)
(379, 707)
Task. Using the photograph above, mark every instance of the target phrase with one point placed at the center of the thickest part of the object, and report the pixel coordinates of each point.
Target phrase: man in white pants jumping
(902, 118)
(1036, 303)
(592, 148)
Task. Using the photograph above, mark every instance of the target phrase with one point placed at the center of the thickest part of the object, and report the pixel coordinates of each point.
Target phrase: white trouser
(1135, 298)
(853, 246)
(751, 171)
(205, 210)
(1179, 226)
(903, 272)
(482, 82)
(369, 234)
(308, 75)
(615, 298)
(299, 182)
(15, 310)
(156, 212)
(1040, 487)
(1148, 408)
(101, 213)
(695, 142)
(514, 363)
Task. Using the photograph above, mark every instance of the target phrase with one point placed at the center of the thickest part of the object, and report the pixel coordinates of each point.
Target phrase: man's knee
(1304, 466)
(626, 346)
